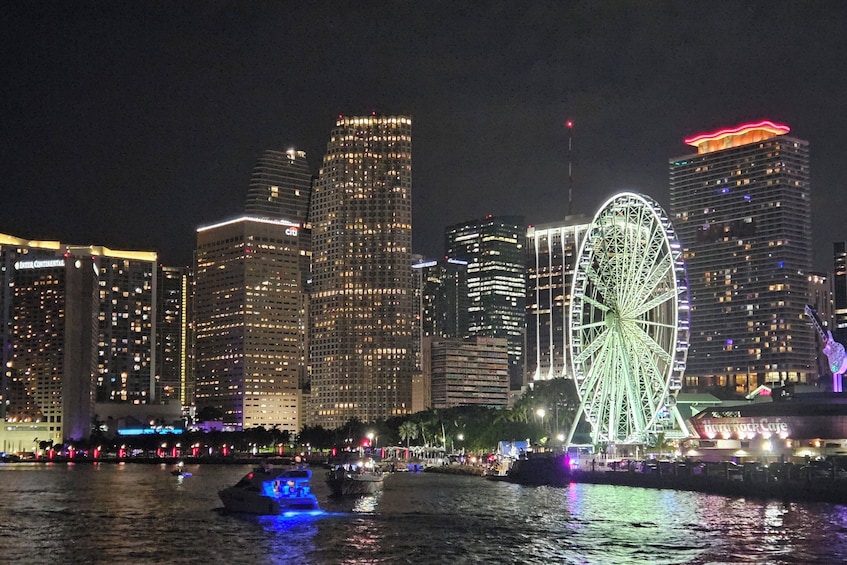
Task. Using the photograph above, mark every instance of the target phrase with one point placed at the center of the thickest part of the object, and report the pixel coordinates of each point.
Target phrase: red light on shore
(569, 124)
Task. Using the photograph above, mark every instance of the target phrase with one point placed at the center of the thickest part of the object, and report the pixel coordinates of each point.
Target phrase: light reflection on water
(143, 514)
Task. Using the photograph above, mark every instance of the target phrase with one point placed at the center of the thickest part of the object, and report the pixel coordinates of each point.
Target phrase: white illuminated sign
(291, 231)
(39, 264)
(762, 426)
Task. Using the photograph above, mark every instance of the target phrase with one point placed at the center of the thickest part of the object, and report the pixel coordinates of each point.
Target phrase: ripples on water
(142, 514)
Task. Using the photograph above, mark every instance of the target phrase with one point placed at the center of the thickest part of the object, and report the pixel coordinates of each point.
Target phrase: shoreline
(829, 491)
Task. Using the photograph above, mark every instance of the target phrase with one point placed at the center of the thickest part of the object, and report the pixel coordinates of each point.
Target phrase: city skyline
(132, 111)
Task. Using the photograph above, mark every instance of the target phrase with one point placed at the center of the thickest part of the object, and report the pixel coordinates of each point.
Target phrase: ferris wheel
(629, 322)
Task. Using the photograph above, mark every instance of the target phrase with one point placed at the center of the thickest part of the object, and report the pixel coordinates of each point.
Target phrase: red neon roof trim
(773, 127)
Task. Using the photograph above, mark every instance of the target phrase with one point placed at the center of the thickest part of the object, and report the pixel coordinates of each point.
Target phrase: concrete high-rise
(248, 322)
(741, 208)
(493, 248)
(280, 186)
(467, 372)
(362, 339)
(551, 253)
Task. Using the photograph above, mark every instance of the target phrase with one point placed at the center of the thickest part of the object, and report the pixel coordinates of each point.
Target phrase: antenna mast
(569, 125)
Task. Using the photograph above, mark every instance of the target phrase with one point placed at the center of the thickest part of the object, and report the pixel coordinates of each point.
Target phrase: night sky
(130, 124)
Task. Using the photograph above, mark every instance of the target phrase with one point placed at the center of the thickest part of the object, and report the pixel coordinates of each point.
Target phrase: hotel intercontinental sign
(39, 264)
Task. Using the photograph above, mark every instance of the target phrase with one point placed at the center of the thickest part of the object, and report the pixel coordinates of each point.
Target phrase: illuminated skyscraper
(172, 335)
(493, 248)
(551, 252)
(280, 186)
(741, 208)
(49, 307)
(127, 342)
(362, 297)
(248, 322)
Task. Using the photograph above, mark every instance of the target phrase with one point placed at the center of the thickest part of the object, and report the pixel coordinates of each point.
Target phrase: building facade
(247, 305)
(551, 253)
(741, 207)
(493, 249)
(467, 372)
(363, 314)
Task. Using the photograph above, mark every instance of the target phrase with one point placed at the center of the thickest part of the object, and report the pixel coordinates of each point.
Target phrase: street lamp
(541, 412)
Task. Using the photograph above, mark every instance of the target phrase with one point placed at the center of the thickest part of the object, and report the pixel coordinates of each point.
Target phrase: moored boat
(271, 491)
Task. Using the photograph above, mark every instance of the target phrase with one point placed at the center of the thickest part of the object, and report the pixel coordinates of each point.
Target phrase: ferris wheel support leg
(575, 423)
(680, 421)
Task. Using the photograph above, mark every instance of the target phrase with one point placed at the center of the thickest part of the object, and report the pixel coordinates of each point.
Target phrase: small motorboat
(180, 471)
(271, 491)
(352, 479)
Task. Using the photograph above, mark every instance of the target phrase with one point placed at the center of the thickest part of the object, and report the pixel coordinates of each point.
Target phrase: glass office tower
(493, 249)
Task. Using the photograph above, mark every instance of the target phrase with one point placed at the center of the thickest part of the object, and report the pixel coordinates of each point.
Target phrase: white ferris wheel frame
(629, 323)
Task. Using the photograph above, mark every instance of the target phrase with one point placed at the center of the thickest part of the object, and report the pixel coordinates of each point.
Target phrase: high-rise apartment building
(280, 186)
(127, 328)
(49, 307)
(362, 338)
(551, 254)
(493, 249)
(741, 208)
(248, 322)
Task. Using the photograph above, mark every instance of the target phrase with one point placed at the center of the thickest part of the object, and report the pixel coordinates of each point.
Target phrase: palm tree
(408, 431)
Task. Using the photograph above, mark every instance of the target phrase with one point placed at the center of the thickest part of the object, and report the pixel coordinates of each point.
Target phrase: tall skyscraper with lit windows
(248, 322)
(363, 315)
(493, 249)
(250, 303)
(75, 323)
(551, 253)
(127, 330)
(741, 208)
(172, 333)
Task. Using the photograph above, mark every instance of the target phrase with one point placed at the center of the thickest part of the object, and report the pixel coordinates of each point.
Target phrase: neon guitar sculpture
(833, 350)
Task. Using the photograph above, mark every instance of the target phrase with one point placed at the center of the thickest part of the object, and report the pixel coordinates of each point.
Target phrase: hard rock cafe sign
(742, 427)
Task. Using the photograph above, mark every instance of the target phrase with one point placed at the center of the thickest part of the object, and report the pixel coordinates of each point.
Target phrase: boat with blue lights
(271, 491)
